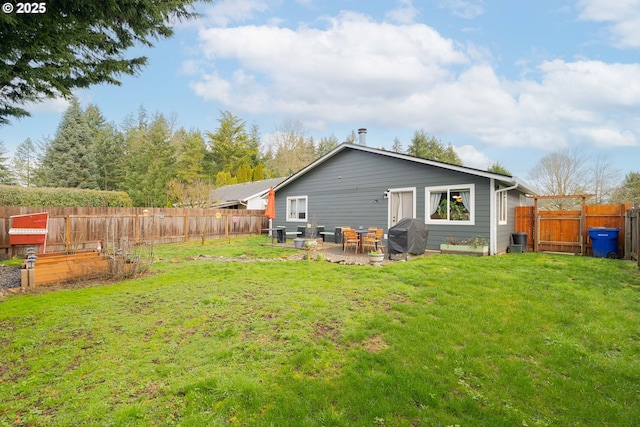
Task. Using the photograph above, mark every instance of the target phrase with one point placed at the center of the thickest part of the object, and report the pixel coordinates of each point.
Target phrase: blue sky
(500, 80)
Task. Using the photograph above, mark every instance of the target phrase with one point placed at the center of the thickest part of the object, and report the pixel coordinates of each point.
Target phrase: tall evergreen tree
(231, 144)
(191, 150)
(397, 146)
(68, 158)
(629, 190)
(428, 147)
(224, 178)
(25, 163)
(258, 173)
(326, 144)
(67, 45)
(107, 146)
(150, 162)
(6, 174)
(498, 168)
(352, 138)
(244, 173)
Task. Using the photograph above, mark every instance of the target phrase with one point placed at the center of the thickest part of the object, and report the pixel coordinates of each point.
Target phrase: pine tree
(224, 178)
(231, 144)
(6, 175)
(72, 45)
(25, 163)
(244, 173)
(498, 168)
(150, 160)
(107, 146)
(68, 159)
(258, 173)
(397, 145)
(191, 152)
(326, 144)
(428, 147)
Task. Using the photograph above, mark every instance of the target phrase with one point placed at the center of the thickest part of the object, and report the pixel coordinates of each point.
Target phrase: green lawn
(520, 339)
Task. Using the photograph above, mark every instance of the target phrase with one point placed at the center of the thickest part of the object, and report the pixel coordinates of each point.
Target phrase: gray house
(359, 186)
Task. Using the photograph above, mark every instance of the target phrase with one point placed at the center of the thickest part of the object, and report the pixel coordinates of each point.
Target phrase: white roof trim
(477, 172)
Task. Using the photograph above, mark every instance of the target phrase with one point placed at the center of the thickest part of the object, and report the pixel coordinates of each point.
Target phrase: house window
(502, 208)
(297, 208)
(452, 204)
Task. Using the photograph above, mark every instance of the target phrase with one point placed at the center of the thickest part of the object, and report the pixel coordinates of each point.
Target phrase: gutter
(493, 231)
(508, 188)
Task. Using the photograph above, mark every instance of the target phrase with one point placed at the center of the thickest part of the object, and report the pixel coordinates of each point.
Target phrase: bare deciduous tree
(290, 148)
(561, 173)
(605, 177)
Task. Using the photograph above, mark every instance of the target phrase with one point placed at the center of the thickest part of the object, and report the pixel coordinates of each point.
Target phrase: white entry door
(402, 204)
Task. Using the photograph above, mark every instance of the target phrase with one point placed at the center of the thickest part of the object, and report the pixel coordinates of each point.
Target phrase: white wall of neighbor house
(256, 203)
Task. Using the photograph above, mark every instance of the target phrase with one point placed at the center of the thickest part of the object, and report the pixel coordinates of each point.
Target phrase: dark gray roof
(243, 192)
(508, 180)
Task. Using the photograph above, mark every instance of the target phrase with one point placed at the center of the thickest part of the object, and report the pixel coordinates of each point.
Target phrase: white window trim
(447, 188)
(306, 203)
(503, 208)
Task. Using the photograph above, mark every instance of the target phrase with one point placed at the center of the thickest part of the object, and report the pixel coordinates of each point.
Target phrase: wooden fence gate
(567, 230)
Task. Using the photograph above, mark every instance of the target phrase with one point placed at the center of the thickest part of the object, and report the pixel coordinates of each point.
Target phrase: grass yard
(520, 339)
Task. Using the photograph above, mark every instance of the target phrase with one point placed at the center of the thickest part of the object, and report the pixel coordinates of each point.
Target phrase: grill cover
(409, 235)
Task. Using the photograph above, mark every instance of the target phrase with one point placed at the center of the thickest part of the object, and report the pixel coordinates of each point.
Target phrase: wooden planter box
(464, 250)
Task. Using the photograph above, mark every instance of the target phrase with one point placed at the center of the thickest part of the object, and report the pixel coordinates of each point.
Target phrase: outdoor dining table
(361, 233)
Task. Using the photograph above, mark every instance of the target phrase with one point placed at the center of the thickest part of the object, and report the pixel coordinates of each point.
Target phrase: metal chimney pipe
(362, 136)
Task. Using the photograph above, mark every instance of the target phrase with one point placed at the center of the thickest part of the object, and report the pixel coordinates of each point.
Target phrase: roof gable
(509, 180)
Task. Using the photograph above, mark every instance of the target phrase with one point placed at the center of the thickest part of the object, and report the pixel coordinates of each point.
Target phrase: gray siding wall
(348, 190)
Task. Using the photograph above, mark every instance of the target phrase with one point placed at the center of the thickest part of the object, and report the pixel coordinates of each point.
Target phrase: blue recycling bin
(604, 242)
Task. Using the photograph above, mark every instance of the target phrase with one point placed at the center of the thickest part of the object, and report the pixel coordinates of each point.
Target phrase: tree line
(161, 164)
(152, 159)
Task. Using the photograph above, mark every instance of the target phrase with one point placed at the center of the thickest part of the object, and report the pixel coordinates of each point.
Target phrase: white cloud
(623, 17)
(607, 136)
(405, 13)
(224, 12)
(471, 157)
(52, 105)
(467, 9)
(356, 70)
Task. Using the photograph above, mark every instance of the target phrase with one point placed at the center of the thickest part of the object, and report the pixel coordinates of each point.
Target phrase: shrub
(64, 197)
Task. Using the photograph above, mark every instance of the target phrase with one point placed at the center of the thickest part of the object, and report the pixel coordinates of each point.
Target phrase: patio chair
(350, 237)
(374, 239)
(379, 239)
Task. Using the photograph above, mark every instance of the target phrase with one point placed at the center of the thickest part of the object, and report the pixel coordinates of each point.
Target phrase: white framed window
(297, 207)
(502, 208)
(453, 204)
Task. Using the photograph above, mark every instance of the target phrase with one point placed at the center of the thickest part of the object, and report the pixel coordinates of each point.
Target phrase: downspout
(496, 219)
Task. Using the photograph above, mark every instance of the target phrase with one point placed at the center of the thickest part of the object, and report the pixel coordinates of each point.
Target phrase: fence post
(186, 226)
(536, 226)
(137, 229)
(67, 233)
(583, 226)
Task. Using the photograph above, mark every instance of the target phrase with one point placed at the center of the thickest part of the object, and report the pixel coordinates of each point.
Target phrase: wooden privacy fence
(568, 230)
(632, 234)
(72, 229)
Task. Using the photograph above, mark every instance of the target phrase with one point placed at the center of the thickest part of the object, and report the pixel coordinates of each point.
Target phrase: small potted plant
(478, 246)
(376, 257)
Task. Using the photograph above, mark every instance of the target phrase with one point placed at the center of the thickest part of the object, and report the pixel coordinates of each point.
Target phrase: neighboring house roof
(229, 194)
(506, 179)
